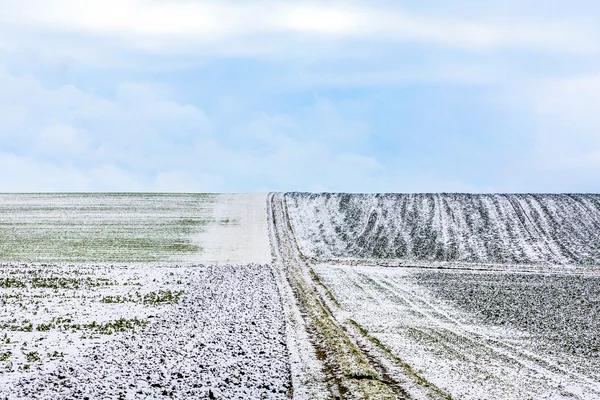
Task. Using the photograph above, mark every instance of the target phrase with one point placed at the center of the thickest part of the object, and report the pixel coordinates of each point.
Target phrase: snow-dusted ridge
(488, 228)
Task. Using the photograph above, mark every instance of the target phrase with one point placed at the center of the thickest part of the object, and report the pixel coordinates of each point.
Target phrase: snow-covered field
(546, 229)
(539, 340)
(138, 332)
(134, 296)
(299, 296)
(481, 296)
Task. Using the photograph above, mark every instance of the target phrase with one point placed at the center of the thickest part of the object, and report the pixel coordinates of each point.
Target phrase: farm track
(356, 365)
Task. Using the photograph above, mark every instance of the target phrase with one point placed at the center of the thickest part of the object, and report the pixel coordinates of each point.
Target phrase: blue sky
(237, 96)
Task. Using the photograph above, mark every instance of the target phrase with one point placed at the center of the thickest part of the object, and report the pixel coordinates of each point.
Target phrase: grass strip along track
(356, 367)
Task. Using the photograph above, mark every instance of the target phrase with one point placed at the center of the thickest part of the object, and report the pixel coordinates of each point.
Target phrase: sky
(256, 96)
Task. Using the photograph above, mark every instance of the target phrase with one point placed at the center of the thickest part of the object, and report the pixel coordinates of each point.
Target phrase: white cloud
(142, 137)
(143, 140)
(267, 28)
(61, 138)
(575, 99)
(27, 174)
(383, 76)
(21, 174)
(67, 125)
(12, 116)
(184, 182)
(568, 113)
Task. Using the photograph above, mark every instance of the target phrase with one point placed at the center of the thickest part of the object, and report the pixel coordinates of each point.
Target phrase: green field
(102, 227)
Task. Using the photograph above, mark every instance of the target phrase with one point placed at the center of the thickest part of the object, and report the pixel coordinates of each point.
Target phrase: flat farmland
(138, 332)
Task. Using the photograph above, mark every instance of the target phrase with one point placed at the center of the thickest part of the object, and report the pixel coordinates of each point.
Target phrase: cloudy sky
(240, 95)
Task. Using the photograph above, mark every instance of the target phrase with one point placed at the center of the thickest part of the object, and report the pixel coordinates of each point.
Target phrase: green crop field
(102, 227)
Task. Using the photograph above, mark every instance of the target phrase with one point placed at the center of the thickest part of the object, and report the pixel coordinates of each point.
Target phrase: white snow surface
(232, 335)
(226, 338)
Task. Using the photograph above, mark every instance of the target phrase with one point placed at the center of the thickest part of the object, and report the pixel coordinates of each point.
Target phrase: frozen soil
(223, 337)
